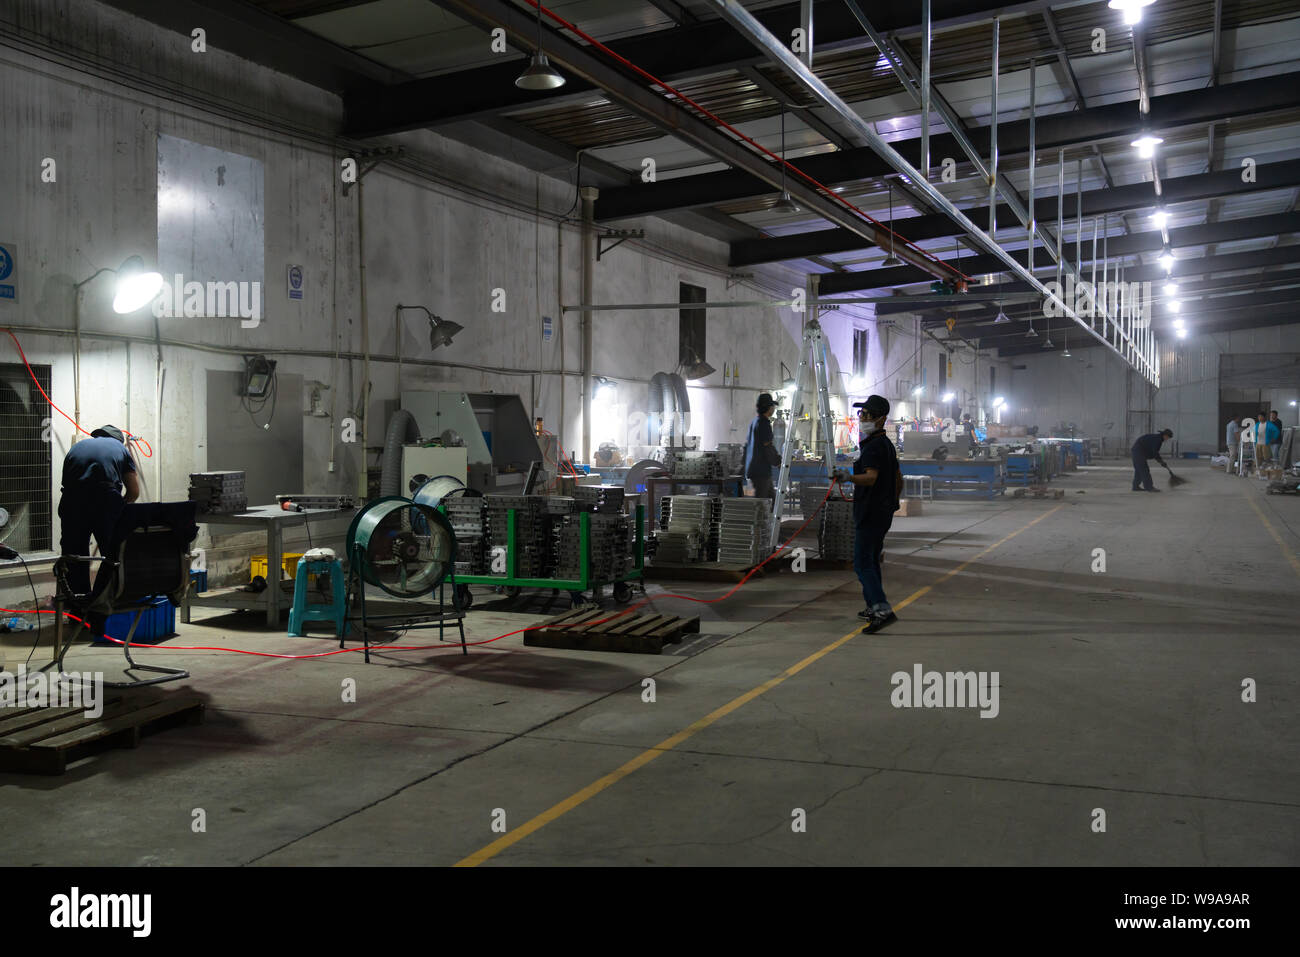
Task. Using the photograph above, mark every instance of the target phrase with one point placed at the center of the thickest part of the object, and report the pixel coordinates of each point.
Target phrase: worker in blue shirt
(1147, 447)
(877, 483)
(1273, 437)
(95, 471)
(761, 455)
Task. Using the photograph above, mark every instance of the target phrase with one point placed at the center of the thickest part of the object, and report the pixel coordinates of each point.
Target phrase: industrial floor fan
(407, 550)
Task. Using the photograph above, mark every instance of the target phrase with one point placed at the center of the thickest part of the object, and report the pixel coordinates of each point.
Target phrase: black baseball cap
(109, 432)
(876, 406)
(765, 401)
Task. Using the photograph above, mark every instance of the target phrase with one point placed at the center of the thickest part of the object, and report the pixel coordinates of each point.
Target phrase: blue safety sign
(546, 328)
(8, 281)
(295, 282)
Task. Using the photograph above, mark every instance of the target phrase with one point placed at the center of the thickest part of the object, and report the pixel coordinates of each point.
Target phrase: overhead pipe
(745, 22)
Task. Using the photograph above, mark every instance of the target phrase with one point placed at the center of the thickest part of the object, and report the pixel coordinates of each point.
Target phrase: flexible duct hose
(661, 405)
(682, 407)
(401, 429)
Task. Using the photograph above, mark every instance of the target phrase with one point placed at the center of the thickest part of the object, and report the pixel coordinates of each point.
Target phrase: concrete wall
(91, 88)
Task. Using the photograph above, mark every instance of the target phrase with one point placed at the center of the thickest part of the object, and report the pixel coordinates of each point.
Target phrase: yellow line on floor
(645, 757)
(1290, 555)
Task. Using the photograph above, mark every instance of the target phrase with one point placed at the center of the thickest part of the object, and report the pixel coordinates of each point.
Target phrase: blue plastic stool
(319, 561)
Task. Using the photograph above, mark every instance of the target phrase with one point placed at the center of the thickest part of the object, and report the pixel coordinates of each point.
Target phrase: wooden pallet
(1039, 491)
(46, 740)
(639, 634)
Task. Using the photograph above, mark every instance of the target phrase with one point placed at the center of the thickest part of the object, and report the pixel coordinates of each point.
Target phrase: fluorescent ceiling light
(1160, 218)
(1146, 145)
(1167, 260)
(949, 396)
(1132, 9)
(1171, 289)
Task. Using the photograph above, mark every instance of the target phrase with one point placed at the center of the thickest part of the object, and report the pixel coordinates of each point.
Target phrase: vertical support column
(925, 89)
(1032, 225)
(1078, 218)
(1060, 218)
(1092, 319)
(993, 136)
(589, 195)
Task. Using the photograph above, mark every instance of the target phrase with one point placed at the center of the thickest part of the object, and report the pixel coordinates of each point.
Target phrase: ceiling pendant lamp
(785, 204)
(540, 76)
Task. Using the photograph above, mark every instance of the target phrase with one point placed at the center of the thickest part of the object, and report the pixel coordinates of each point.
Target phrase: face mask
(867, 427)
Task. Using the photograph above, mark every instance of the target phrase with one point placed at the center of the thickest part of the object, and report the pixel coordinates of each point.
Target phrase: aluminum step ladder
(812, 361)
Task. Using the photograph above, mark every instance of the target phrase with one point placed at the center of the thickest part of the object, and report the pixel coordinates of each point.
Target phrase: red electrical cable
(36, 382)
(723, 124)
(485, 641)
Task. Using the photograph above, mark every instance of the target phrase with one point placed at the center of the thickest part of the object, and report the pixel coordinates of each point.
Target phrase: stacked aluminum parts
(531, 529)
(733, 458)
(810, 496)
(698, 465)
(606, 499)
(746, 531)
(609, 546)
(835, 533)
(687, 529)
(219, 492)
(557, 508)
(466, 518)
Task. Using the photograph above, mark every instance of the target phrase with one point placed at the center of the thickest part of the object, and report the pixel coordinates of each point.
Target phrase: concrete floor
(1119, 691)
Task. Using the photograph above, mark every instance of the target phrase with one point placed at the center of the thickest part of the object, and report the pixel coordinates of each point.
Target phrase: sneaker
(865, 614)
(879, 622)
(1153, 490)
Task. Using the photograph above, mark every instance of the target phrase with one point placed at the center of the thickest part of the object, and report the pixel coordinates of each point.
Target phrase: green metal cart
(513, 584)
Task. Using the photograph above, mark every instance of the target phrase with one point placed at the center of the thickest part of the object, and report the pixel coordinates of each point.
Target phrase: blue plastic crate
(158, 623)
(201, 581)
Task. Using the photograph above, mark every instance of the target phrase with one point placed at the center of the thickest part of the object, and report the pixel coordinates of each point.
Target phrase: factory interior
(497, 414)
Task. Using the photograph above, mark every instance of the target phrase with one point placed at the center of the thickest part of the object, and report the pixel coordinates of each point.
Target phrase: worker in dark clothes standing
(1147, 447)
(877, 482)
(95, 470)
(761, 455)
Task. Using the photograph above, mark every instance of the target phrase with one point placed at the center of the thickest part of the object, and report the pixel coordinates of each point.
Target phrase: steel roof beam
(676, 54)
(1184, 189)
(1058, 130)
(673, 118)
(1231, 230)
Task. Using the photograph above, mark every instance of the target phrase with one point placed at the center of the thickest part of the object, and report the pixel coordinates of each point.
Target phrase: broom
(1174, 480)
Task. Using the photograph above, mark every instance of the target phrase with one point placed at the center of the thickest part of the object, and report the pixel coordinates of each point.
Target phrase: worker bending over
(877, 483)
(94, 473)
(1147, 447)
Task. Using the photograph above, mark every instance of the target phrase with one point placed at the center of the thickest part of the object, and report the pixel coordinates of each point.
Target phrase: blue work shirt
(757, 464)
(1272, 433)
(97, 463)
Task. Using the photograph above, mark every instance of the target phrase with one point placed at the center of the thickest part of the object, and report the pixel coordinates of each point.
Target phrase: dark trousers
(86, 512)
(1141, 472)
(868, 551)
(763, 486)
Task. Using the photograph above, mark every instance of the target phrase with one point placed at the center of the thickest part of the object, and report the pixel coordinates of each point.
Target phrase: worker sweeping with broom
(1148, 447)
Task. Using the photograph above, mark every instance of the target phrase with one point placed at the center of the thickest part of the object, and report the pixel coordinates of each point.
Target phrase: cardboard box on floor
(908, 508)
